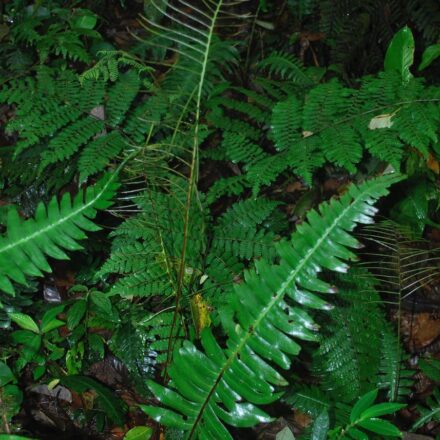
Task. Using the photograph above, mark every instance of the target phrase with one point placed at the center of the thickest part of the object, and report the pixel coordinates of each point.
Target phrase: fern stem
(192, 181)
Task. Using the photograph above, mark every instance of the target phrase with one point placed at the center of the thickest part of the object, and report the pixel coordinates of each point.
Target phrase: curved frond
(58, 227)
(265, 314)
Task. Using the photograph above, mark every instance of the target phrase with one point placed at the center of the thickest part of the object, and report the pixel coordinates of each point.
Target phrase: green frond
(227, 186)
(147, 247)
(394, 375)
(417, 125)
(120, 97)
(260, 324)
(286, 123)
(238, 148)
(286, 66)
(430, 411)
(69, 140)
(97, 154)
(222, 270)
(309, 400)
(345, 362)
(426, 16)
(385, 145)
(55, 228)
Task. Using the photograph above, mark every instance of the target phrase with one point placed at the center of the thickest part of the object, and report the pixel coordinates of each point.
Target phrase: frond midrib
(59, 222)
(279, 294)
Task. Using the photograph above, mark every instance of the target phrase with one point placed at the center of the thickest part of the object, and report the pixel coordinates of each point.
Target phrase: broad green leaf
(113, 406)
(430, 54)
(6, 374)
(362, 404)
(86, 21)
(96, 344)
(381, 409)
(379, 426)
(50, 321)
(76, 313)
(285, 434)
(24, 321)
(29, 339)
(102, 301)
(139, 433)
(321, 426)
(400, 54)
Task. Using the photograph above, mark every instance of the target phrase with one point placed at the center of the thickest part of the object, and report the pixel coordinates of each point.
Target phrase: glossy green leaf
(6, 374)
(86, 21)
(102, 301)
(27, 338)
(381, 409)
(139, 433)
(362, 404)
(400, 54)
(430, 54)
(76, 313)
(379, 426)
(24, 321)
(49, 321)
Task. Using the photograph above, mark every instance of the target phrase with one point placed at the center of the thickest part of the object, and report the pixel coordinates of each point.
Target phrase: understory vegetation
(219, 220)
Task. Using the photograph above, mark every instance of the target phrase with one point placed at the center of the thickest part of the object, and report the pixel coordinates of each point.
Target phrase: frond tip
(225, 385)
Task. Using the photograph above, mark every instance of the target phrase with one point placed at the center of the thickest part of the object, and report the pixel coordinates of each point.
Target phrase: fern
(394, 376)
(120, 97)
(99, 153)
(70, 140)
(237, 233)
(24, 247)
(287, 67)
(234, 185)
(310, 400)
(260, 324)
(345, 362)
(337, 124)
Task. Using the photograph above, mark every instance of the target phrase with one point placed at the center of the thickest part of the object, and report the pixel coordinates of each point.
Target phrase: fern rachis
(264, 324)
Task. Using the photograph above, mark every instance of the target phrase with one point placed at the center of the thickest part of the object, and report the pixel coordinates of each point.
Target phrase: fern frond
(345, 362)
(237, 148)
(229, 186)
(97, 154)
(287, 66)
(260, 325)
(394, 376)
(24, 247)
(69, 140)
(309, 400)
(286, 123)
(120, 97)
